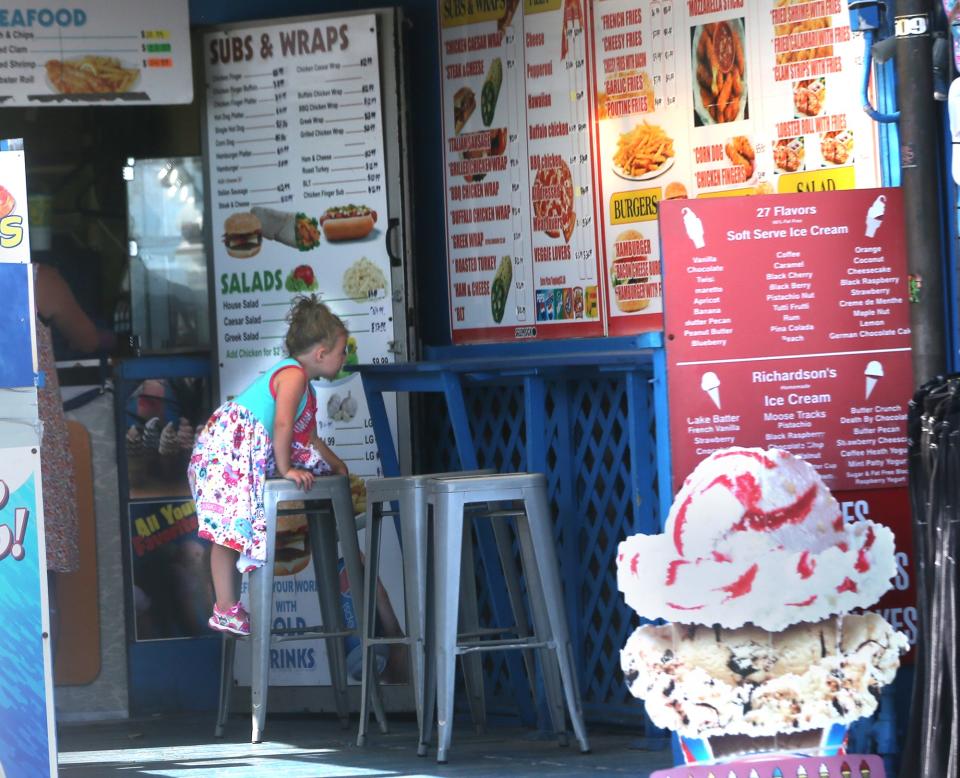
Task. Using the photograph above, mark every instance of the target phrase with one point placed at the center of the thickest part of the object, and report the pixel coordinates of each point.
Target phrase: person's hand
(339, 468)
(302, 478)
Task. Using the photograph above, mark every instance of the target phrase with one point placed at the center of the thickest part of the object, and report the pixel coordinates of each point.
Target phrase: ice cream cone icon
(864, 769)
(872, 372)
(823, 772)
(694, 227)
(875, 215)
(845, 771)
(710, 383)
(754, 774)
(802, 772)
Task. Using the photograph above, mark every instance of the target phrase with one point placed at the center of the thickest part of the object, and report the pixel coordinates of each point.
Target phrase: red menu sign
(787, 326)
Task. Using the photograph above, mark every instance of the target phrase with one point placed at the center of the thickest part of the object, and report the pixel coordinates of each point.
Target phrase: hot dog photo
(348, 222)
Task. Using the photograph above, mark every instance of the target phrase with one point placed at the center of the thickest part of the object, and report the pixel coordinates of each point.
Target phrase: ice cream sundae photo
(763, 582)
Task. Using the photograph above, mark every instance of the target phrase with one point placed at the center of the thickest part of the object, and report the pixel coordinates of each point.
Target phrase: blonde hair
(311, 322)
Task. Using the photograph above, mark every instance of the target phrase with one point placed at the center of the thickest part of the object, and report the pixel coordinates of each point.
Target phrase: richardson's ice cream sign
(764, 582)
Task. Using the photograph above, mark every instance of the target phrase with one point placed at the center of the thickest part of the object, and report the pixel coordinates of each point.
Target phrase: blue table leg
(662, 420)
(645, 518)
(460, 421)
(381, 429)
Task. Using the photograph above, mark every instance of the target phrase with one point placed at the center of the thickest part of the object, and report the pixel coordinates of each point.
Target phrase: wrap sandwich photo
(296, 230)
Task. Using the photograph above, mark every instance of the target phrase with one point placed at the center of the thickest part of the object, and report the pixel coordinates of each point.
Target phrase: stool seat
(450, 499)
(329, 509)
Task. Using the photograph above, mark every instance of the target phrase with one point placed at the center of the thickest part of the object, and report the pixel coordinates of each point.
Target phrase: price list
(519, 177)
(296, 156)
(563, 238)
(790, 328)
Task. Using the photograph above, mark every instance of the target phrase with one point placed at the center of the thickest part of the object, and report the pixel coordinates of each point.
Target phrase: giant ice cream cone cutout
(758, 573)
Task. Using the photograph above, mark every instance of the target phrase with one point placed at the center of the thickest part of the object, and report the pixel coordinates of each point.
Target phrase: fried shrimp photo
(643, 152)
(720, 72)
(91, 75)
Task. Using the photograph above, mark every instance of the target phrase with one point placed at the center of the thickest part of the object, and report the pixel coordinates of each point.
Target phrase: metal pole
(920, 176)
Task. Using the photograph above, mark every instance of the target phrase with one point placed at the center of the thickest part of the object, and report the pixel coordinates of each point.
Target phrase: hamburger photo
(242, 235)
(626, 280)
(675, 191)
(293, 544)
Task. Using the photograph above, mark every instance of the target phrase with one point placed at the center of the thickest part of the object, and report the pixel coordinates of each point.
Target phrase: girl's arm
(337, 465)
(290, 385)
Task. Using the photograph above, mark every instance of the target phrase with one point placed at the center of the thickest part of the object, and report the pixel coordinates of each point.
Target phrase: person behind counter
(269, 429)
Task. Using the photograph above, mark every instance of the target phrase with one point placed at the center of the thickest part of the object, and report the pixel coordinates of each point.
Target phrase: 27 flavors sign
(27, 739)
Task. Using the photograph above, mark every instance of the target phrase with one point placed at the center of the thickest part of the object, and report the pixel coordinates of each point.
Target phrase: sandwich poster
(680, 101)
(27, 735)
(95, 52)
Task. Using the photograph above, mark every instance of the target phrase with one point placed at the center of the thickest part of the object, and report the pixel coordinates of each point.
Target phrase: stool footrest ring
(502, 645)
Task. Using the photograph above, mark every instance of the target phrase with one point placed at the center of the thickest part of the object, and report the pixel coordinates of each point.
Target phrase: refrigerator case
(169, 301)
(313, 120)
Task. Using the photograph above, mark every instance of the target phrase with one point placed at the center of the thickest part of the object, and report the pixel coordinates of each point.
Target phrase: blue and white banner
(27, 736)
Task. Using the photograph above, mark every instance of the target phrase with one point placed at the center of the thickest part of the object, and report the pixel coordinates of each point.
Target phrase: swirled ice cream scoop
(755, 537)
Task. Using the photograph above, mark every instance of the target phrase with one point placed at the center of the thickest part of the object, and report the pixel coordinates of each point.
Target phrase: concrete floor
(316, 747)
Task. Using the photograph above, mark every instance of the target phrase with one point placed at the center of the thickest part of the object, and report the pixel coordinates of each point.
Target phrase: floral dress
(228, 470)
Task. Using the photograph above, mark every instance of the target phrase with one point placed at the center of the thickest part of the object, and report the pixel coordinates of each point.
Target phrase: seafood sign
(101, 52)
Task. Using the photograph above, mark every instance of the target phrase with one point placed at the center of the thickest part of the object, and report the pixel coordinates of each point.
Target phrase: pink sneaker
(235, 620)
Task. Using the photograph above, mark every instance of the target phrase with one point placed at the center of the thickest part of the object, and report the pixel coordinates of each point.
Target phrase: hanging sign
(100, 52)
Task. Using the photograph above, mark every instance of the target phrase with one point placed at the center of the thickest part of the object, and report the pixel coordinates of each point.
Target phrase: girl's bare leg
(223, 569)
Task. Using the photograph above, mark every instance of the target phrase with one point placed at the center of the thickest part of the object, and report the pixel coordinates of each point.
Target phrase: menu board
(519, 173)
(298, 189)
(115, 52)
(788, 326)
(297, 182)
(682, 100)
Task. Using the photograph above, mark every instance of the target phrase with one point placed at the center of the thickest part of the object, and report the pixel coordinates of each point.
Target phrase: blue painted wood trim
(661, 412)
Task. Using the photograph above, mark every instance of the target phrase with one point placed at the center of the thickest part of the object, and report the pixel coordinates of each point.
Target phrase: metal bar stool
(408, 494)
(333, 494)
(450, 499)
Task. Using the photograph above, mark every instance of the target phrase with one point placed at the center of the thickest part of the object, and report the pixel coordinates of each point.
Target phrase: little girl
(269, 429)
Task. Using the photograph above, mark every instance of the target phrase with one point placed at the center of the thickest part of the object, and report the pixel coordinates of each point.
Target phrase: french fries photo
(720, 71)
(642, 151)
(90, 75)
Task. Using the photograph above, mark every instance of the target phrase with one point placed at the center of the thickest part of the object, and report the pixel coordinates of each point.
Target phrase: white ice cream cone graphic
(875, 215)
(694, 227)
(872, 373)
(710, 383)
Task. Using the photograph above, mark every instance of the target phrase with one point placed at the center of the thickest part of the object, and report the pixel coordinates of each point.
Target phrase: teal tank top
(258, 399)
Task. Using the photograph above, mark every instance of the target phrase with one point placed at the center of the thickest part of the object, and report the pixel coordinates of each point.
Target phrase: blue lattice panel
(601, 488)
